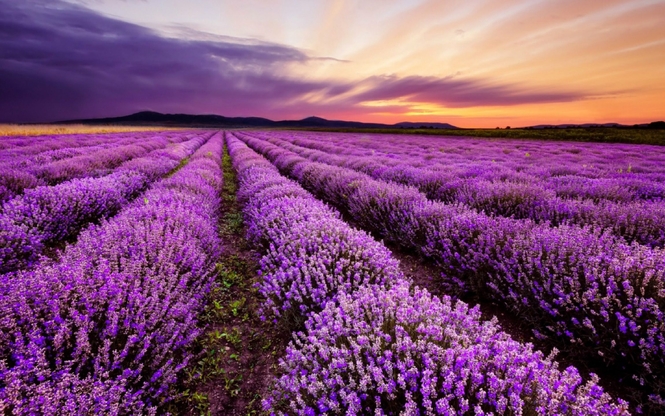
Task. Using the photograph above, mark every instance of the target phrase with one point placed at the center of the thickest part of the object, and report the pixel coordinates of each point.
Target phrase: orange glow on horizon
(470, 63)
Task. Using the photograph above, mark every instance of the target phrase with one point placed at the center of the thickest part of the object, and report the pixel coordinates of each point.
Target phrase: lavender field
(270, 272)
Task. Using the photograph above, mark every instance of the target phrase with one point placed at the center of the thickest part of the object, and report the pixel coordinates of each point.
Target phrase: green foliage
(230, 186)
(234, 222)
(177, 168)
(236, 306)
(228, 276)
(198, 401)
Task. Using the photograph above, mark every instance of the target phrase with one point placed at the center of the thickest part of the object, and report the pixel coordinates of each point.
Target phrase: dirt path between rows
(238, 351)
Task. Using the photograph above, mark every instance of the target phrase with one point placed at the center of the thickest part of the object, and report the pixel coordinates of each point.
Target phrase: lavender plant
(566, 279)
(391, 349)
(107, 328)
(48, 214)
(311, 255)
(402, 351)
(24, 165)
(629, 206)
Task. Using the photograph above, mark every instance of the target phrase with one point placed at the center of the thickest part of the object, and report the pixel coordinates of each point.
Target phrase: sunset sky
(471, 63)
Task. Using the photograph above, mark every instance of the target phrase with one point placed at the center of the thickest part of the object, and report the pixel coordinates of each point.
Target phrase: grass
(602, 134)
(49, 129)
(180, 165)
(237, 351)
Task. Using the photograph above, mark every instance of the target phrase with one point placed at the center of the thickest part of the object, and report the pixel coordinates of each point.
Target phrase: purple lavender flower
(378, 348)
(555, 275)
(401, 351)
(107, 328)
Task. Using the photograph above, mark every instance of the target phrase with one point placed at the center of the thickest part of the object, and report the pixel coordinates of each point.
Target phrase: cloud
(455, 92)
(63, 61)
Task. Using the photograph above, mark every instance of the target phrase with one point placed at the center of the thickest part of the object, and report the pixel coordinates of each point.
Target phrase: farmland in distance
(234, 272)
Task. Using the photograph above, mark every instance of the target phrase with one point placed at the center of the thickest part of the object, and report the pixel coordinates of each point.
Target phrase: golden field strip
(48, 129)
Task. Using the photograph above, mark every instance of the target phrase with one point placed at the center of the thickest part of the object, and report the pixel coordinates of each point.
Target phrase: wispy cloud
(457, 92)
(62, 61)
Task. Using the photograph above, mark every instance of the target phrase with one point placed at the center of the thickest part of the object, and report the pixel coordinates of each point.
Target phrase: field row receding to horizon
(293, 272)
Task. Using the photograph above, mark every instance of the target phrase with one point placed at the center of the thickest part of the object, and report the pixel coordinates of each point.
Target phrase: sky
(471, 63)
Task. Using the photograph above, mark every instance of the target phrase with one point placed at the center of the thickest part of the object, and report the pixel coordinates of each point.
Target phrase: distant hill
(654, 125)
(409, 125)
(213, 120)
(151, 117)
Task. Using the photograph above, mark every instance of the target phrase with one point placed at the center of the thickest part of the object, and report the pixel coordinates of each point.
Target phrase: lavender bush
(21, 165)
(14, 181)
(99, 161)
(107, 328)
(313, 265)
(391, 349)
(311, 255)
(48, 214)
(401, 351)
(567, 279)
(632, 207)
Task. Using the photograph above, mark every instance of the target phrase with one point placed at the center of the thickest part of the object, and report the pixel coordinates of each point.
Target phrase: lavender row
(60, 150)
(514, 160)
(575, 285)
(48, 214)
(107, 329)
(30, 146)
(159, 162)
(17, 172)
(99, 161)
(66, 164)
(565, 178)
(59, 143)
(372, 343)
(304, 266)
(640, 221)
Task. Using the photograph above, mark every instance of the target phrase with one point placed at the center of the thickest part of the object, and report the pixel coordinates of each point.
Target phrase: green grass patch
(181, 165)
(234, 338)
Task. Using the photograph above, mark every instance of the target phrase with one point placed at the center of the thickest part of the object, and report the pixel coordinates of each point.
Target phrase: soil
(239, 352)
(426, 275)
(260, 344)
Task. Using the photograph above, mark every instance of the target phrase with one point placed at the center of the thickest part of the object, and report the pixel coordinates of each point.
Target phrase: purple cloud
(455, 92)
(63, 61)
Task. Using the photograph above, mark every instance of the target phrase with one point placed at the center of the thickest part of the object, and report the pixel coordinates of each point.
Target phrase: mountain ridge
(215, 120)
